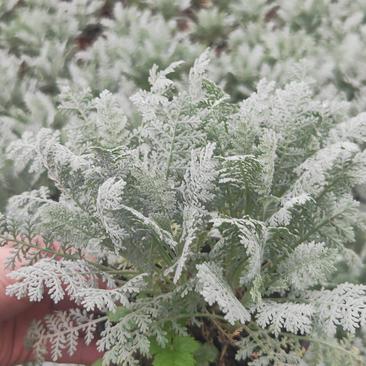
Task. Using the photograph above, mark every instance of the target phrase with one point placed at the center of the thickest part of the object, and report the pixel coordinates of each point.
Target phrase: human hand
(15, 319)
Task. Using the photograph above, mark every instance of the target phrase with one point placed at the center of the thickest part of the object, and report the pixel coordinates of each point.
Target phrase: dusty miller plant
(224, 222)
(84, 43)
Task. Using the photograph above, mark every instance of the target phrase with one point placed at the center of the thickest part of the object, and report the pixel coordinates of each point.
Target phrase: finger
(9, 306)
(13, 333)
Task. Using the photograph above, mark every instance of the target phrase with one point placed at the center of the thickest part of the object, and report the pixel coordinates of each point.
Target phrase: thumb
(9, 306)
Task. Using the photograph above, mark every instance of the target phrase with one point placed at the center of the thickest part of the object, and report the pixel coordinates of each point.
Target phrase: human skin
(16, 317)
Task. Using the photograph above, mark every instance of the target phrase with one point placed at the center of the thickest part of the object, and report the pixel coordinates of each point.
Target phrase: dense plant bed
(112, 44)
(217, 227)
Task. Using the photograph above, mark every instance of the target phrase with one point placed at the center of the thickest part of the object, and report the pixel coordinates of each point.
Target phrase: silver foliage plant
(201, 213)
(89, 43)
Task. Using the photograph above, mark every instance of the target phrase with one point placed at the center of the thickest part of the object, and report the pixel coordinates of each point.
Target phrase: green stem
(319, 226)
(194, 315)
(325, 343)
(170, 157)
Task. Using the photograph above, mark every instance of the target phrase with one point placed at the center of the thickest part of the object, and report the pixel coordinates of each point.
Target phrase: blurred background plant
(112, 45)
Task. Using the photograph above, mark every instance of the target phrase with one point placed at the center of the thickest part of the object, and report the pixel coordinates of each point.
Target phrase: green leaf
(256, 290)
(206, 354)
(172, 358)
(119, 313)
(180, 352)
(98, 362)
